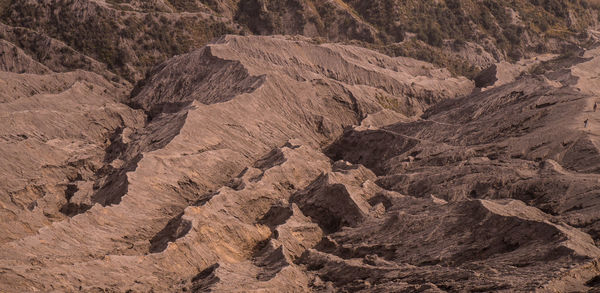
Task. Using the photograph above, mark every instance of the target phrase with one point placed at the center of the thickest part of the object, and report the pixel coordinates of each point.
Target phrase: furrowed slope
(526, 141)
(210, 115)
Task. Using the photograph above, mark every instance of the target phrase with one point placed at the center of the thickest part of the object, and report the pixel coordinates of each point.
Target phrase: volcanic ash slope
(507, 184)
(205, 180)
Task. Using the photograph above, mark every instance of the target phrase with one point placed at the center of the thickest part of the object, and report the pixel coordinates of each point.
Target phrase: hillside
(132, 36)
(120, 180)
(241, 169)
(297, 146)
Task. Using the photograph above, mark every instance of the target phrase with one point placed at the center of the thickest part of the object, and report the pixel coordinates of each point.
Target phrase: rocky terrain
(464, 36)
(182, 148)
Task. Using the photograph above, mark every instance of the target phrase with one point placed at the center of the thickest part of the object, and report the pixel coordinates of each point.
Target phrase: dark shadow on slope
(277, 215)
(371, 148)
(175, 229)
(204, 280)
(111, 183)
(166, 95)
(594, 282)
(197, 76)
(329, 205)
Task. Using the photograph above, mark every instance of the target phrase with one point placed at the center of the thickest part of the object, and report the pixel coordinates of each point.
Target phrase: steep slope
(217, 182)
(176, 190)
(509, 28)
(15, 60)
(144, 149)
(333, 20)
(51, 53)
(132, 36)
(524, 141)
(58, 125)
(129, 39)
(465, 36)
